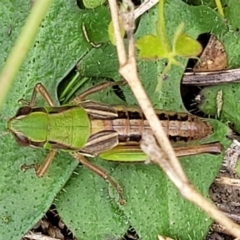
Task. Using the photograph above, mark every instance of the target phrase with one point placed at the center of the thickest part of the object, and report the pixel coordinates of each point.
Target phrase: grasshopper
(88, 128)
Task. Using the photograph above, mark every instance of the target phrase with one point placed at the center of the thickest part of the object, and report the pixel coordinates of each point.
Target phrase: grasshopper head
(28, 126)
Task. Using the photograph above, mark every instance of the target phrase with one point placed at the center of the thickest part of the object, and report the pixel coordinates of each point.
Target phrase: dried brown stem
(186, 189)
(128, 69)
(211, 78)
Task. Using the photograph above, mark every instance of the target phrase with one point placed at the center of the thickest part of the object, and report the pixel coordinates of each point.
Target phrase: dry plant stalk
(164, 157)
(211, 77)
(146, 5)
(186, 189)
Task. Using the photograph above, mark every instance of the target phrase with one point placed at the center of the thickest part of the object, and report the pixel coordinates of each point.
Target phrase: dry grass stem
(211, 77)
(145, 6)
(228, 181)
(128, 69)
(172, 167)
(186, 189)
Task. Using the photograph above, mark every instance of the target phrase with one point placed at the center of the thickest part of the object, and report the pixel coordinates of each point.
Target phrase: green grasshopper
(88, 128)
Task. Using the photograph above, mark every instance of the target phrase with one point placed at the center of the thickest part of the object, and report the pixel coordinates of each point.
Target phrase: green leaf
(88, 206)
(150, 47)
(183, 45)
(158, 47)
(230, 110)
(230, 113)
(187, 46)
(25, 198)
(96, 26)
(111, 31)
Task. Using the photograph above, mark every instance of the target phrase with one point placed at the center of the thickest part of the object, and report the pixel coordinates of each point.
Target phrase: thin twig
(186, 189)
(128, 69)
(145, 6)
(122, 57)
(211, 78)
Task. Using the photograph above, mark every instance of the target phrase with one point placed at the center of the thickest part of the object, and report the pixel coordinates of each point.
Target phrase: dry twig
(146, 5)
(186, 189)
(172, 167)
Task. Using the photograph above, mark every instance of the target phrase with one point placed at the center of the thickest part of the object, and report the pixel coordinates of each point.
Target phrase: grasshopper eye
(21, 139)
(23, 111)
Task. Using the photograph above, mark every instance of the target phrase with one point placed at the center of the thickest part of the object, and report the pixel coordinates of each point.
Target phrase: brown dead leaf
(213, 57)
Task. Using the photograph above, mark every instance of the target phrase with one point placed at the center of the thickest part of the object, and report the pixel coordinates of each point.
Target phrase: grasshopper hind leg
(100, 172)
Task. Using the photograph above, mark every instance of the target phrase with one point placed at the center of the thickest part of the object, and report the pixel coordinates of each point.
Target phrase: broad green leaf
(88, 206)
(25, 198)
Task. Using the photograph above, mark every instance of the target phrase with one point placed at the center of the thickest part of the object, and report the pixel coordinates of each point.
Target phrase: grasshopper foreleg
(42, 91)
